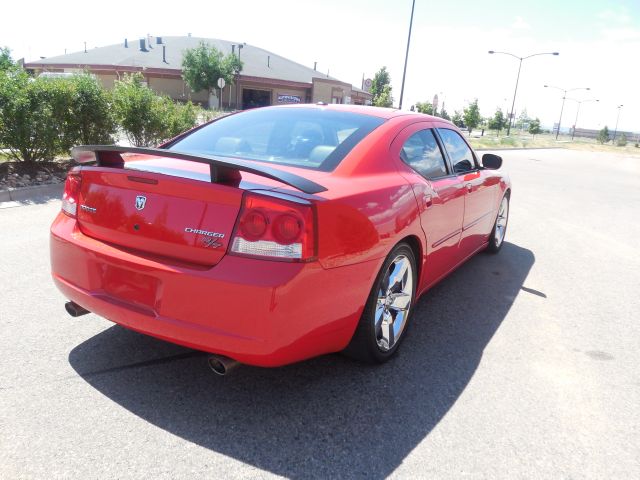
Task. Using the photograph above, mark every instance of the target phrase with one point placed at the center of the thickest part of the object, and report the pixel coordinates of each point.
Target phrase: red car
(277, 234)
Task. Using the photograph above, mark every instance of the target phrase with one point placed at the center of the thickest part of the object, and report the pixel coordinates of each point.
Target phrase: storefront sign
(289, 99)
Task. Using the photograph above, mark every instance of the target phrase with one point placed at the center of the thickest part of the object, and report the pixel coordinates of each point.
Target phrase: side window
(458, 150)
(422, 153)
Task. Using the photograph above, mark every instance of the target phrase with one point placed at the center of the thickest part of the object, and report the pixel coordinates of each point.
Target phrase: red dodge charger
(277, 234)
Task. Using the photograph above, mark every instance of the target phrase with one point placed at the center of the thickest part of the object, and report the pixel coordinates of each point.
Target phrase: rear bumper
(259, 312)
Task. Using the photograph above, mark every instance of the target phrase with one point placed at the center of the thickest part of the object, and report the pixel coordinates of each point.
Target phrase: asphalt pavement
(520, 365)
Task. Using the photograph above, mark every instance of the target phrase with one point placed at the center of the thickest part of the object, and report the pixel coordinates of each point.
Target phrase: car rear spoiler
(222, 169)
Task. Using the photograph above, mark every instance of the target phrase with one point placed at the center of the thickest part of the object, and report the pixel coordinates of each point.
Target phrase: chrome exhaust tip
(221, 365)
(74, 309)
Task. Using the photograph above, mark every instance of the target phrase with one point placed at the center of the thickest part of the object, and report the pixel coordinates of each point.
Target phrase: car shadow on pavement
(326, 417)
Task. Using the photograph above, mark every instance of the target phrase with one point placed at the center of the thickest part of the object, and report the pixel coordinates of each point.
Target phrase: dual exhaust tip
(220, 364)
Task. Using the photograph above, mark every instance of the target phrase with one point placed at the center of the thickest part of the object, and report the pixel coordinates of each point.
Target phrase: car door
(439, 193)
(480, 193)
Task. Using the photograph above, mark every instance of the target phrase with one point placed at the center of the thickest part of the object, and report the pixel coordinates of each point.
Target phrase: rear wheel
(496, 239)
(388, 309)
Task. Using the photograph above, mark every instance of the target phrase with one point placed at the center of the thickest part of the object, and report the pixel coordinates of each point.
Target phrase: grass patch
(491, 141)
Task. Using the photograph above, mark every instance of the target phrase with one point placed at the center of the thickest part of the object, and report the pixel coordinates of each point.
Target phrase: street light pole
(406, 56)
(580, 102)
(515, 92)
(564, 97)
(615, 132)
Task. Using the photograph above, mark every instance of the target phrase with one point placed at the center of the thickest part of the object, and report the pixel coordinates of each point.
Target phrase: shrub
(622, 140)
(603, 135)
(43, 117)
(30, 112)
(90, 119)
(149, 119)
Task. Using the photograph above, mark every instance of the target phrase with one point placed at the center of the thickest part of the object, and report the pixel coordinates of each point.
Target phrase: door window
(459, 152)
(422, 153)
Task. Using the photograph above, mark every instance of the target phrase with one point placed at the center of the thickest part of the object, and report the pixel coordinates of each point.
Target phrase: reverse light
(71, 193)
(274, 228)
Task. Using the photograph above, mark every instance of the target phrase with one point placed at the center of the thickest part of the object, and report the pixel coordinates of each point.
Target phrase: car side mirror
(491, 161)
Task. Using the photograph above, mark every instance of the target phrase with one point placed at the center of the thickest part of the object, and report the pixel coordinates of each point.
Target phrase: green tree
(497, 122)
(622, 140)
(457, 119)
(204, 65)
(523, 119)
(381, 89)
(424, 107)
(471, 115)
(385, 99)
(603, 135)
(443, 114)
(6, 62)
(534, 127)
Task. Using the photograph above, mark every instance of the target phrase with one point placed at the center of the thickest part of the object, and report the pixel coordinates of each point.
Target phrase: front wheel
(387, 312)
(496, 239)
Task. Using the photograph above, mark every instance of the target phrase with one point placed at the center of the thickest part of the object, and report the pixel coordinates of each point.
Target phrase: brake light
(71, 193)
(275, 228)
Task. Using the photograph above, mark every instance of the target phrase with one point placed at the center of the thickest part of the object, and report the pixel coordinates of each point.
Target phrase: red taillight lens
(71, 193)
(287, 228)
(253, 225)
(275, 228)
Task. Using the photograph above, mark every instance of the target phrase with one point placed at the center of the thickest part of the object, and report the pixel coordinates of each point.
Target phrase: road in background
(520, 365)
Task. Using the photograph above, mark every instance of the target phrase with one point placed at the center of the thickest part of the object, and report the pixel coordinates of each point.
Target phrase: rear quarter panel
(370, 206)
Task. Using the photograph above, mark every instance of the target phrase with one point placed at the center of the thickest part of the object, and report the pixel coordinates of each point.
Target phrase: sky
(598, 42)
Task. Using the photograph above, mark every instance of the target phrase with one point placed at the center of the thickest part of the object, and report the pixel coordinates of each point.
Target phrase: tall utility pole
(406, 56)
(615, 132)
(515, 92)
(564, 97)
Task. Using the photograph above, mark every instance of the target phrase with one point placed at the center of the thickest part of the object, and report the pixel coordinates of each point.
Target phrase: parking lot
(520, 365)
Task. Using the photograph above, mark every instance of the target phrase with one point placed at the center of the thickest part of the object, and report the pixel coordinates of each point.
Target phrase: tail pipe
(221, 365)
(74, 309)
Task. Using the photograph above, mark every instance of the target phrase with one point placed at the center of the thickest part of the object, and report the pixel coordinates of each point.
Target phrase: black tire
(364, 345)
(496, 241)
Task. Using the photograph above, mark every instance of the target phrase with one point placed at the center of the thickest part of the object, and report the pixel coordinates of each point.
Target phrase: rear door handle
(469, 187)
(427, 200)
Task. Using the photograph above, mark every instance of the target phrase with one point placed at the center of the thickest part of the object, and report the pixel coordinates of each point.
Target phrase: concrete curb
(34, 194)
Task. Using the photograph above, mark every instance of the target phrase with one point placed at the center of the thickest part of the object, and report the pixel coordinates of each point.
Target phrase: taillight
(275, 228)
(71, 193)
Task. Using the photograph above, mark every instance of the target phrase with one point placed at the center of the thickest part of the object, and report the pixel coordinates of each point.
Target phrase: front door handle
(427, 200)
(469, 187)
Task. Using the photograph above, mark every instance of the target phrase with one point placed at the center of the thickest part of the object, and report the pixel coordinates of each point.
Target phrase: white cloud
(520, 24)
(621, 34)
(618, 16)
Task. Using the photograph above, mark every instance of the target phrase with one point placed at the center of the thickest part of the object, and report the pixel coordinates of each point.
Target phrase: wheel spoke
(387, 331)
(400, 268)
(400, 301)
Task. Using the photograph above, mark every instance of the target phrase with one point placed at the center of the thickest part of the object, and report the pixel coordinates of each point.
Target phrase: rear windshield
(301, 137)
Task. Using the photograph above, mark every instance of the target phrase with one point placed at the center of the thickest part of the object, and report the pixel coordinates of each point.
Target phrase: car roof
(386, 113)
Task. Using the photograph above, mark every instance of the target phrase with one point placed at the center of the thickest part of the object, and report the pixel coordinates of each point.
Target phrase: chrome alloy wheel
(501, 222)
(394, 300)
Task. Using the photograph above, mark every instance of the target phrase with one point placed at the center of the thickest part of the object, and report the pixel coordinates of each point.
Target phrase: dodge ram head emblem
(141, 201)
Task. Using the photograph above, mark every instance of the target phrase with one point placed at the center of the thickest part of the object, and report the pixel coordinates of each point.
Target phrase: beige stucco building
(266, 78)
